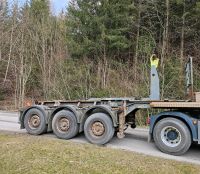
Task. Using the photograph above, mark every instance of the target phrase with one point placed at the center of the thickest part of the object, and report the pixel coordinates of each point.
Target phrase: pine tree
(100, 28)
(40, 9)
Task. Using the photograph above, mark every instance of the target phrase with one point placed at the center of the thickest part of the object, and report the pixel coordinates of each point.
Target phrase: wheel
(65, 125)
(99, 128)
(172, 136)
(34, 122)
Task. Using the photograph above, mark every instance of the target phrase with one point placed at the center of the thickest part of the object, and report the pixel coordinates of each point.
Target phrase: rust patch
(98, 128)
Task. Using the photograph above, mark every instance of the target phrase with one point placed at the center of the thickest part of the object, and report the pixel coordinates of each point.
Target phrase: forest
(95, 48)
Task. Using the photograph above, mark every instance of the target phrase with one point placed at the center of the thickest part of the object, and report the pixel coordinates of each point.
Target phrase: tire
(172, 136)
(104, 128)
(34, 122)
(65, 125)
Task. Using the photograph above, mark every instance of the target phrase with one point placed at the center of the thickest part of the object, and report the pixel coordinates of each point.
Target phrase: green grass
(23, 154)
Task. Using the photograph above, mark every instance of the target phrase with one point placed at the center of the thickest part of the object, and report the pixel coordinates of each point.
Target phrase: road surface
(135, 140)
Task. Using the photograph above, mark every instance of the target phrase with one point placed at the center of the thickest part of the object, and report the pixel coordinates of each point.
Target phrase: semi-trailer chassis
(172, 130)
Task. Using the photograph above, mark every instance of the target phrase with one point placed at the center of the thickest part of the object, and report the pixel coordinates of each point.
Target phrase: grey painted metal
(134, 107)
(155, 84)
(189, 78)
(198, 132)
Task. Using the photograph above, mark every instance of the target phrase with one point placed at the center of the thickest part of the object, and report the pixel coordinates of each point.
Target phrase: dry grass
(38, 155)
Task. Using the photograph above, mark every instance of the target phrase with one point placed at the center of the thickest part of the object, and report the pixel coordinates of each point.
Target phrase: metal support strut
(122, 114)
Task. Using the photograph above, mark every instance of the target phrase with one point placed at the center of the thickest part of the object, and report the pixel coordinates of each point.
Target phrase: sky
(56, 5)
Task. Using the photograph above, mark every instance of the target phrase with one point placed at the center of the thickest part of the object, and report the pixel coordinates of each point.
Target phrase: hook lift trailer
(173, 130)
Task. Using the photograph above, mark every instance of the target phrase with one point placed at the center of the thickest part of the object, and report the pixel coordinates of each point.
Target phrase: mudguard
(71, 108)
(106, 108)
(23, 112)
(186, 118)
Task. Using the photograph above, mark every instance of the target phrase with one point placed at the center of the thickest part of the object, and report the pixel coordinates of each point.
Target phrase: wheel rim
(98, 128)
(63, 125)
(171, 136)
(34, 121)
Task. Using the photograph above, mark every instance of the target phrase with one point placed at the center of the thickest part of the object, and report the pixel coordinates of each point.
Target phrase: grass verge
(39, 155)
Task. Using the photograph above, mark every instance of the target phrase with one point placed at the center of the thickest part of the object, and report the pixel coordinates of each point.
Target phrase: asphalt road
(135, 140)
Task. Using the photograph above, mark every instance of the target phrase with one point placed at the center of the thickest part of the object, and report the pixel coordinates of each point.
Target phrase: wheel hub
(98, 128)
(34, 121)
(171, 136)
(63, 124)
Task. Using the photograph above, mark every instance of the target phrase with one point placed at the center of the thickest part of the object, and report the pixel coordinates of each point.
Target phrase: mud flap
(150, 138)
(198, 132)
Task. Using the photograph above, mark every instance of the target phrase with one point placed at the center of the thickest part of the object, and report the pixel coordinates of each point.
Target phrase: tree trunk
(165, 45)
(182, 38)
(137, 40)
(10, 52)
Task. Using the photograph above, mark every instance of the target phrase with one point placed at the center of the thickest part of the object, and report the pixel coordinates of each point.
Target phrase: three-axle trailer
(172, 130)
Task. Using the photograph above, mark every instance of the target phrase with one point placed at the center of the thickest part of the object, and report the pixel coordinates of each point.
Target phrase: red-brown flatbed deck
(174, 104)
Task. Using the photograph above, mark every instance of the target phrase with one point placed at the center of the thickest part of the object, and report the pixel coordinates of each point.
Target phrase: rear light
(28, 103)
(148, 120)
(195, 122)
